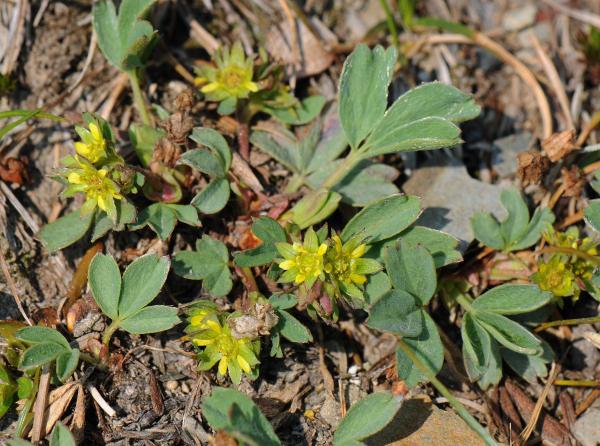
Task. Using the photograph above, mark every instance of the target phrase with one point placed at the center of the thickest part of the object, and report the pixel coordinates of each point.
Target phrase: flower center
(233, 77)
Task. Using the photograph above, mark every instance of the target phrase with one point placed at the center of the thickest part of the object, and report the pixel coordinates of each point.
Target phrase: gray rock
(504, 158)
(517, 19)
(587, 427)
(450, 197)
(583, 355)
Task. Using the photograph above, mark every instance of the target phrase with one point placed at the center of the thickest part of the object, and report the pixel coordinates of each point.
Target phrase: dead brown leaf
(573, 181)
(560, 144)
(532, 167)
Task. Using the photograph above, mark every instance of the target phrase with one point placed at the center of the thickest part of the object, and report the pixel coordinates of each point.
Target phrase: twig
(557, 85)
(583, 320)
(537, 410)
(101, 401)
(13, 286)
(501, 53)
(572, 219)
(26, 216)
(587, 402)
(88, 62)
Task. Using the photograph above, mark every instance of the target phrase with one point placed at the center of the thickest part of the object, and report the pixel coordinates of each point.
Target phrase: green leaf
(592, 214)
(40, 354)
(280, 144)
(61, 436)
(105, 283)
(363, 90)
(204, 161)
(143, 139)
(377, 285)
(367, 417)
(151, 319)
(142, 281)
(292, 329)
(38, 335)
(411, 268)
(542, 219)
(396, 313)
(246, 419)
(440, 245)
(186, 213)
(428, 348)
(102, 223)
(215, 142)
(425, 134)
(283, 301)
(301, 113)
(515, 225)
(213, 197)
(210, 263)
(159, 217)
(315, 207)
(476, 342)
(362, 185)
(512, 299)
(384, 218)
(431, 100)
(66, 364)
(529, 367)
(491, 373)
(18, 442)
(25, 387)
(487, 230)
(125, 40)
(65, 231)
(510, 334)
(270, 232)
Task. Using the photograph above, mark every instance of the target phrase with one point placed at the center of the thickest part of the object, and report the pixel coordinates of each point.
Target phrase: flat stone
(504, 158)
(517, 19)
(587, 427)
(450, 197)
(420, 423)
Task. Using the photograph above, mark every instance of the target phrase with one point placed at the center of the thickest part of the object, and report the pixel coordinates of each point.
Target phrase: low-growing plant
(569, 265)
(240, 85)
(60, 436)
(125, 299)
(517, 231)
(424, 118)
(236, 414)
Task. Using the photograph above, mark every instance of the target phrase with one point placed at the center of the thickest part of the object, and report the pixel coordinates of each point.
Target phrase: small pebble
(185, 388)
(171, 385)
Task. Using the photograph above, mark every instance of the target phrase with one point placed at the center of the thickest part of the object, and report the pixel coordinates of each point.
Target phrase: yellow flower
(100, 191)
(303, 263)
(93, 144)
(231, 78)
(557, 277)
(233, 355)
(345, 266)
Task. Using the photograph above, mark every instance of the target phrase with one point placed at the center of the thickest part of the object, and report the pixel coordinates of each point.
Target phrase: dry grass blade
(583, 16)
(555, 81)
(506, 57)
(537, 410)
(56, 409)
(78, 421)
(12, 285)
(101, 401)
(39, 407)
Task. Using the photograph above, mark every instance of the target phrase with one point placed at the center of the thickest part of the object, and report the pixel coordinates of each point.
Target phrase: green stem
(295, 183)
(109, 332)
(138, 98)
(464, 302)
(572, 251)
(343, 169)
(389, 17)
(460, 409)
(583, 320)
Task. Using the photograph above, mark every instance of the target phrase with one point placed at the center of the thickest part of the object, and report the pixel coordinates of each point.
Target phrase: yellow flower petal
(74, 178)
(358, 278)
(95, 131)
(359, 251)
(287, 264)
(251, 86)
(244, 364)
(210, 87)
(223, 365)
(202, 342)
(322, 249)
(102, 203)
(214, 325)
(299, 278)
